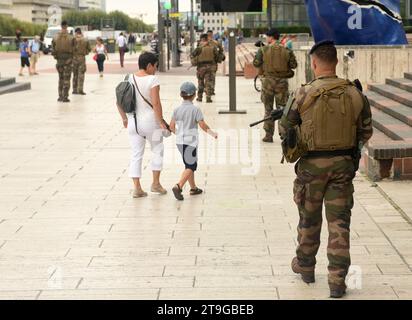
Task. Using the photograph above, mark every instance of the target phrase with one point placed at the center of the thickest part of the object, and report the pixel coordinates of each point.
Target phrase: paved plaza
(70, 229)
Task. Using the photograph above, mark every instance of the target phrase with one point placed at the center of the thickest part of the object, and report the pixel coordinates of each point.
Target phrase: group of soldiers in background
(206, 58)
(70, 53)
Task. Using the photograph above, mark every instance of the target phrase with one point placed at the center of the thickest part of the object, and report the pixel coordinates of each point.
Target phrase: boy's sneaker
(194, 192)
(209, 100)
(158, 189)
(178, 193)
(199, 99)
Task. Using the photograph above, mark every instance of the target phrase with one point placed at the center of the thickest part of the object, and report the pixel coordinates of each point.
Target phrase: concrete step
(15, 87)
(408, 75)
(391, 107)
(392, 127)
(7, 81)
(394, 93)
(401, 83)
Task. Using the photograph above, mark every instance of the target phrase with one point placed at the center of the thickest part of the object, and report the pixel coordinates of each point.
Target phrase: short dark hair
(78, 30)
(182, 94)
(147, 58)
(204, 36)
(327, 53)
(25, 39)
(64, 24)
(210, 31)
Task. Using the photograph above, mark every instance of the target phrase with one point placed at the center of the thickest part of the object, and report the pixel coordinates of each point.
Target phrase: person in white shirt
(100, 55)
(150, 127)
(122, 44)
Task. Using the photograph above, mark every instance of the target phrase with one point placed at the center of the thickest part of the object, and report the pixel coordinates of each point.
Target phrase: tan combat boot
(337, 291)
(307, 276)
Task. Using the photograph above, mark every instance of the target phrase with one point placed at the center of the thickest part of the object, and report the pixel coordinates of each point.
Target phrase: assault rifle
(275, 115)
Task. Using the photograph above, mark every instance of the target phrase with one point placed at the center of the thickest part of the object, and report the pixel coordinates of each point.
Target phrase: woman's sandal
(139, 194)
(194, 192)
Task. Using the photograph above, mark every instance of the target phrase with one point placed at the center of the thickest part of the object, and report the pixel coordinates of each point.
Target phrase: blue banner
(357, 22)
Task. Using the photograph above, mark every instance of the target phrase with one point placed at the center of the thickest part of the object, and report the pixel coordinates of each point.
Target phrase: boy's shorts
(189, 155)
(24, 61)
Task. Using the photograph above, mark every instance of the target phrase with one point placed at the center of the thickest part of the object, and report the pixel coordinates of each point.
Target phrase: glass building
(284, 13)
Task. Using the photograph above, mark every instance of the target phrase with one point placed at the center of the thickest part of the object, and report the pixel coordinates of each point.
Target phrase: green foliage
(281, 29)
(408, 29)
(9, 25)
(94, 18)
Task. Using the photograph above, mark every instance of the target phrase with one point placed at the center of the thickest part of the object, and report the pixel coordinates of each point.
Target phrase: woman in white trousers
(150, 124)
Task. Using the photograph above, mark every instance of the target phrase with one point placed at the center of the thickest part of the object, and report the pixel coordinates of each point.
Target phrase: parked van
(49, 36)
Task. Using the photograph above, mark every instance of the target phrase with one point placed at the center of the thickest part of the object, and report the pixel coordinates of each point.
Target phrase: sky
(146, 8)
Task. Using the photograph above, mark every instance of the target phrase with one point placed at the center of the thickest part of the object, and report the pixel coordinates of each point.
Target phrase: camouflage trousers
(205, 80)
(328, 181)
(79, 70)
(215, 68)
(64, 68)
(273, 89)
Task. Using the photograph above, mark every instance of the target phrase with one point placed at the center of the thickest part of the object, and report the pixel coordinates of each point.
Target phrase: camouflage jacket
(258, 61)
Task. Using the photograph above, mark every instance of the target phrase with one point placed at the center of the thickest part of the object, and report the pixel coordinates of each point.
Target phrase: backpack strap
(149, 103)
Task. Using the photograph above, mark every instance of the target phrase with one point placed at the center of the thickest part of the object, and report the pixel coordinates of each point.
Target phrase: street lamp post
(161, 33)
(192, 27)
(269, 14)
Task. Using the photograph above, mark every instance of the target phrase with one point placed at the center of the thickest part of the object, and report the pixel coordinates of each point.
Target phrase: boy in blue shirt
(24, 56)
(184, 124)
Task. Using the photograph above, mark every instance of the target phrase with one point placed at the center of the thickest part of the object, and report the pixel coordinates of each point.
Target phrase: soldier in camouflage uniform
(333, 120)
(204, 57)
(275, 64)
(81, 50)
(63, 45)
(221, 58)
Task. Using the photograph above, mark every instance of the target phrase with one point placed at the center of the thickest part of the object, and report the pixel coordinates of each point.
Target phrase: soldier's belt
(328, 153)
(205, 63)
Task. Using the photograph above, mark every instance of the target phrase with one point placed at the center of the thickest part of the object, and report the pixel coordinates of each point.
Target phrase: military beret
(321, 44)
(272, 33)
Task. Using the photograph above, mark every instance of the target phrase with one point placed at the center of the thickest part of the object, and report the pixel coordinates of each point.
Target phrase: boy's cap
(188, 89)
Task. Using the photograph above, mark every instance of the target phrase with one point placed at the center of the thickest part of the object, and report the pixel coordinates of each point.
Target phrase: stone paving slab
(69, 228)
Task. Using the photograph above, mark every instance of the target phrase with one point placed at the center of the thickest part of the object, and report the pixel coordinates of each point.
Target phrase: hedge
(282, 29)
(9, 25)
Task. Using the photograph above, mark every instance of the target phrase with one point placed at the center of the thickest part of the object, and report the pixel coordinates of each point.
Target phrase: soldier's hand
(125, 122)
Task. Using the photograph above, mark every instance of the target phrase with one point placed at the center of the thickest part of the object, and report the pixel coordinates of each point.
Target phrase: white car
(50, 34)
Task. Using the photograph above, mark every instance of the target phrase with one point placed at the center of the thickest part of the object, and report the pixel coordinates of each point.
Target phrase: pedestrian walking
(331, 119)
(185, 121)
(122, 44)
(81, 50)
(146, 124)
(24, 56)
(154, 45)
(100, 55)
(131, 42)
(17, 40)
(63, 45)
(34, 50)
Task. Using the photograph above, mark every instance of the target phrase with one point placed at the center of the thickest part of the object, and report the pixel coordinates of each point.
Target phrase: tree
(93, 19)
